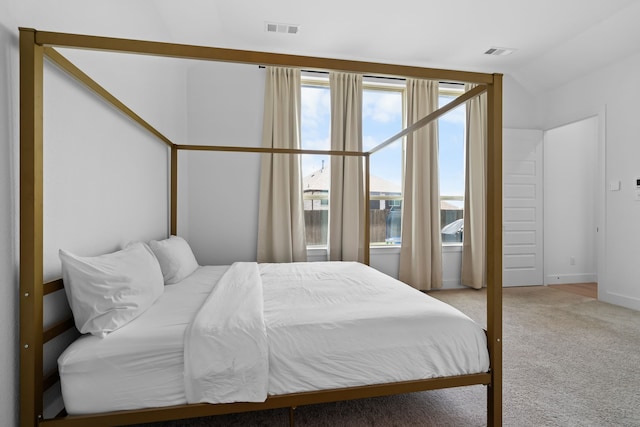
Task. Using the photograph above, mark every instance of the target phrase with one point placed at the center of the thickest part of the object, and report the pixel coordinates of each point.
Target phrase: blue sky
(382, 118)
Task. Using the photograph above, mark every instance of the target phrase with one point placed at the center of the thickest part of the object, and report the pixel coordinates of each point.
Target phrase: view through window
(451, 166)
(316, 131)
(382, 117)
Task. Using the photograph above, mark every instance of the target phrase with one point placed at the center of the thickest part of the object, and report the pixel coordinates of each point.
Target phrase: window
(383, 115)
(451, 134)
(315, 133)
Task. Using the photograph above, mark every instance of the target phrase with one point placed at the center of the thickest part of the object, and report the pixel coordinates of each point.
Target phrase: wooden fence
(316, 222)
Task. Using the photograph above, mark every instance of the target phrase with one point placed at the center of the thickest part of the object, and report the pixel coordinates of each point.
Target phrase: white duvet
(270, 329)
(226, 356)
(334, 325)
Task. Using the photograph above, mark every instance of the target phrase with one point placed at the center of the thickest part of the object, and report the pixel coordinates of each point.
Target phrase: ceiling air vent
(272, 27)
(499, 51)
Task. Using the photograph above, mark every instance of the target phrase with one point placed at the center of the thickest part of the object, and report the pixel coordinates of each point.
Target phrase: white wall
(225, 108)
(8, 225)
(618, 88)
(518, 106)
(570, 188)
(105, 178)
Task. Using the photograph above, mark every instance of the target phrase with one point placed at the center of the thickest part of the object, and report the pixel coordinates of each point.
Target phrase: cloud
(316, 107)
(369, 142)
(381, 106)
(317, 143)
(455, 116)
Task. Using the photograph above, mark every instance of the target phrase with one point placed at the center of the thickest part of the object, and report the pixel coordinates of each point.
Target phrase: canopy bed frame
(35, 45)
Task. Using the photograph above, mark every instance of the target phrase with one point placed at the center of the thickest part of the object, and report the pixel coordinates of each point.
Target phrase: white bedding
(345, 324)
(226, 356)
(141, 364)
(328, 325)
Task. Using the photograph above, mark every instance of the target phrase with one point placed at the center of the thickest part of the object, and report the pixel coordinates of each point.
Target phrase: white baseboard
(561, 279)
(619, 299)
(453, 284)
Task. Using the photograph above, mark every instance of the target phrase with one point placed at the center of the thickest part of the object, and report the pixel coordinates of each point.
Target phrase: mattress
(329, 325)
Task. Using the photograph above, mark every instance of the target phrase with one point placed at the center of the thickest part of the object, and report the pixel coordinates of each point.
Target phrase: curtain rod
(373, 77)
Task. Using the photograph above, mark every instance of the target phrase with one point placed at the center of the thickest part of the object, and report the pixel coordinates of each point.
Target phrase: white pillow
(175, 257)
(106, 292)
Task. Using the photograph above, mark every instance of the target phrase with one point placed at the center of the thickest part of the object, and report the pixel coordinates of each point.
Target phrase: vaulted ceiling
(555, 40)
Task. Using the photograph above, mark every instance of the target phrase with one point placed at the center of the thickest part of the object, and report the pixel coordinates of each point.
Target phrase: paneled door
(522, 207)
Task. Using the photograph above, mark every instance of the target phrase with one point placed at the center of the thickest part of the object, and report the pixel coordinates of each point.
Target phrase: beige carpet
(568, 361)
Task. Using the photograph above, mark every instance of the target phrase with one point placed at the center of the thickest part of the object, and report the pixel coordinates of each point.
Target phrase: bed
(325, 325)
(34, 46)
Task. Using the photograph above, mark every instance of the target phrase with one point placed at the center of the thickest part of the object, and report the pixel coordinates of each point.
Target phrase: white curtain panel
(281, 233)
(346, 194)
(473, 244)
(421, 250)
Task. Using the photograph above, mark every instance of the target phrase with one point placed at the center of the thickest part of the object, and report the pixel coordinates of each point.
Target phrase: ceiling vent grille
(273, 27)
(499, 51)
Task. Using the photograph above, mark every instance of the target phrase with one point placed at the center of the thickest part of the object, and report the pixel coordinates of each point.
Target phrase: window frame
(454, 90)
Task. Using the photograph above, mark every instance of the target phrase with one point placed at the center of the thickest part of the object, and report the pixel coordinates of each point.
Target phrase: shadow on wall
(9, 169)
(10, 152)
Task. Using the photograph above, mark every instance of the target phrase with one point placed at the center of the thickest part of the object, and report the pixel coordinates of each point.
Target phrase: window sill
(384, 249)
(452, 247)
(319, 251)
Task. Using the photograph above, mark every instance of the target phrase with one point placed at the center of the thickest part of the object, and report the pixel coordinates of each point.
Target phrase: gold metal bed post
(494, 248)
(35, 44)
(31, 231)
(173, 214)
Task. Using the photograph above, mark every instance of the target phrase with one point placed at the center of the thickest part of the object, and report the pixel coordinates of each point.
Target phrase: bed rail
(273, 402)
(53, 286)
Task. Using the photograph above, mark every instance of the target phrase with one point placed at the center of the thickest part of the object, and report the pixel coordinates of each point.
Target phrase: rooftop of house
(319, 180)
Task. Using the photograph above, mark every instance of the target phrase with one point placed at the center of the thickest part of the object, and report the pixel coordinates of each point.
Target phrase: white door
(522, 207)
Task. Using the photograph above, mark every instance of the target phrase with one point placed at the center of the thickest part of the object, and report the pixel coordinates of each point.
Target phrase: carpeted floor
(569, 360)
